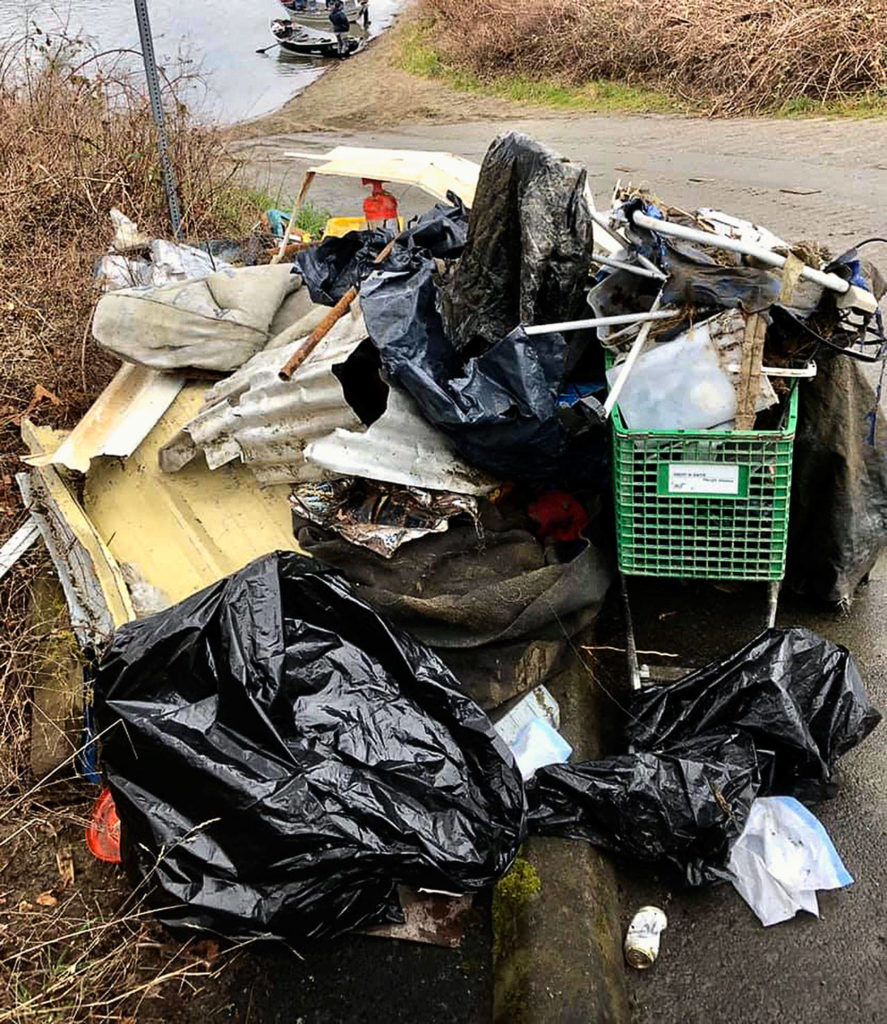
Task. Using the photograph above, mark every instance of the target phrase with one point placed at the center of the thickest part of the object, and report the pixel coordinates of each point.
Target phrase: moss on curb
(510, 897)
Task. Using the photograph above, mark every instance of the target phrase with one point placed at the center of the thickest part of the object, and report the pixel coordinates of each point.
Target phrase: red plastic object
(379, 207)
(103, 834)
(559, 516)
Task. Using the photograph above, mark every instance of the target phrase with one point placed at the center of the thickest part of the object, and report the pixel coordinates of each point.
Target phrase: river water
(218, 38)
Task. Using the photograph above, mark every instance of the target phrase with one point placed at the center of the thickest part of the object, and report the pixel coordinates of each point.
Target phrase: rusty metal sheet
(432, 918)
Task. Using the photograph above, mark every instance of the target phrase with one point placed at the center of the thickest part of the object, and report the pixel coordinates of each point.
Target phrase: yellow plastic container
(339, 226)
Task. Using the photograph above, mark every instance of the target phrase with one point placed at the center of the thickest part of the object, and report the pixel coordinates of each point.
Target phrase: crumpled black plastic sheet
(529, 246)
(686, 806)
(770, 719)
(281, 757)
(338, 264)
(838, 522)
(798, 696)
(499, 409)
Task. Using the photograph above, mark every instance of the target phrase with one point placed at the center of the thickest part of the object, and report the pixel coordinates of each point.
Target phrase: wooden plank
(748, 387)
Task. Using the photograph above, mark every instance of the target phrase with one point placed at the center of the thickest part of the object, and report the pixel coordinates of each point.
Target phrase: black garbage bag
(686, 806)
(838, 522)
(529, 246)
(499, 409)
(799, 697)
(281, 757)
(770, 719)
(338, 264)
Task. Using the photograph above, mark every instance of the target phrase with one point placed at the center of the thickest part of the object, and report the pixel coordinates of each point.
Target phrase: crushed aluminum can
(642, 938)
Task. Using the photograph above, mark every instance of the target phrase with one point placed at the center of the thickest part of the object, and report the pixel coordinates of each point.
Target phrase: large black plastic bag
(529, 246)
(773, 718)
(798, 696)
(685, 806)
(338, 264)
(280, 757)
(838, 522)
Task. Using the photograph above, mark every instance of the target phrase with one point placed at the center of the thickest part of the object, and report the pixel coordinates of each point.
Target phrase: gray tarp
(215, 323)
(529, 246)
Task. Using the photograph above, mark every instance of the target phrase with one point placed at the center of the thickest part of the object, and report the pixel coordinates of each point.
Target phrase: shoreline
(378, 94)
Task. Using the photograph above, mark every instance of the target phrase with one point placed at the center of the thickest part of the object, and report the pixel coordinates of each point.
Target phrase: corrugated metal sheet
(399, 448)
(303, 430)
(254, 417)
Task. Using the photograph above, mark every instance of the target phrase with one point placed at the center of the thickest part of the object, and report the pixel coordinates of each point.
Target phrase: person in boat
(341, 25)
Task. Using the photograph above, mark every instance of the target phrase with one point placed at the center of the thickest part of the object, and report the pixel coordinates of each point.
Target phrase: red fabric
(559, 516)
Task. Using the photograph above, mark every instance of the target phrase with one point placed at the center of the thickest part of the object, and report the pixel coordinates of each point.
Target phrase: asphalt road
(836, 171)
(805, 180)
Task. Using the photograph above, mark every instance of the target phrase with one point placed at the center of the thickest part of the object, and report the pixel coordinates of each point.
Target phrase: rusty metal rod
(326, 325)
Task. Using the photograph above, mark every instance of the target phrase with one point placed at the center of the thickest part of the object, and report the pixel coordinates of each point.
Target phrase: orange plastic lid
(103, 834)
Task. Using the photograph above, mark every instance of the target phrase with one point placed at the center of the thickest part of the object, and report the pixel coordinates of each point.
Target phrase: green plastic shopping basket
(703, 504)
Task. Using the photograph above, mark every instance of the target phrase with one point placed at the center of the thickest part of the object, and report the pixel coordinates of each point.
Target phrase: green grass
(236, 204)
(855, 107)
(416, 54)
(312, 219)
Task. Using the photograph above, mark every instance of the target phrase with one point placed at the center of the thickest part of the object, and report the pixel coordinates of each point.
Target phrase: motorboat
(307, 42)
(315, 13)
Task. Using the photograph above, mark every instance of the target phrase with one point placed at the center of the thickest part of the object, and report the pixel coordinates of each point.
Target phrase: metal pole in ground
(153, 79)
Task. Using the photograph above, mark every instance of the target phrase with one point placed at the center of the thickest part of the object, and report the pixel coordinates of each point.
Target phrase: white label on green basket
(702, 478)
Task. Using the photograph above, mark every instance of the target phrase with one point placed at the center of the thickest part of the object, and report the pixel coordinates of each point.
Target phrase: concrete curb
(557, 943)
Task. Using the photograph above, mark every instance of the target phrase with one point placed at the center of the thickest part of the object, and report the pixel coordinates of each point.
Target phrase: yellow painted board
(182, 531)
(76, 525)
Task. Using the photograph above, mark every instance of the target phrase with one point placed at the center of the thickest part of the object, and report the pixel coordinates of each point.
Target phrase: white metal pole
(628, 365)
(665, 227)
(608, 261)
(606, 321)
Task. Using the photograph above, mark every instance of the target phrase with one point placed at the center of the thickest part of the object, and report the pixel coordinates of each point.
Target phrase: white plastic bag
(782, 857)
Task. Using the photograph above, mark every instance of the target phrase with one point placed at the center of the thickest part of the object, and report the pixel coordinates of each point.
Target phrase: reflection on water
(218, 37)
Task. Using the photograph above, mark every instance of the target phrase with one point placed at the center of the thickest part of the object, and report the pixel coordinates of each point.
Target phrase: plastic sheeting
(798, 696)
(529, 246)
(500, 409)
(685, 806)
(281, 757)
(338, 264)
(782, 857)
(771, 718)
(838, 522)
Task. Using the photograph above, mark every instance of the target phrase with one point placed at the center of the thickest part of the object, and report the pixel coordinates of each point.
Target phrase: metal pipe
(604, 321)
(636, 349)
(665, 227)
(656, 274)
